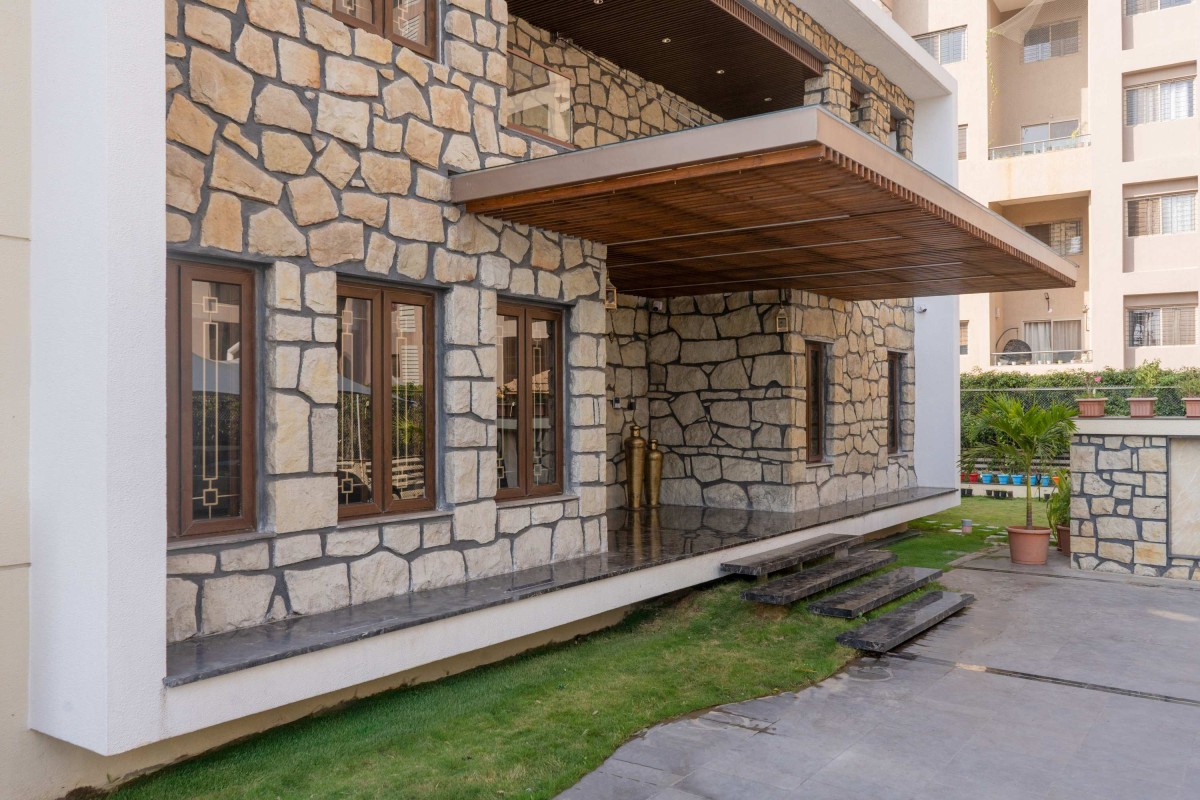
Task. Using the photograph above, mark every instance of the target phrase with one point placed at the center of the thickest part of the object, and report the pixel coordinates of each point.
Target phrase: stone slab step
(790, 588)
(879, 591)
(897, 627)
(787, 557)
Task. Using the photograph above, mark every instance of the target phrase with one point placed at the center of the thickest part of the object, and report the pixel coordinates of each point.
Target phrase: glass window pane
(359, 9)
(539, 99)
(508, 411)
(929, 42)
(355, 429)
(409, 20)
(544, 375)
(216, 331)
(409, 412)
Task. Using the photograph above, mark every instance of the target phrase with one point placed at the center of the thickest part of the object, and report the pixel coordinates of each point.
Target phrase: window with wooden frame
(539, 101)
(948, 46)
(895, 382)
(1142, 6)
(962, 142)
(211, 406)
(814, 422)
(1161, 101)
(1064, 237)
(411, 23)
(529, 401)
(963, 339)
(1160, 215)
(386, 408)
(1053, 40)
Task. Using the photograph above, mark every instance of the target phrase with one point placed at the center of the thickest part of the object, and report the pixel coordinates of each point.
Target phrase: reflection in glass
(359, 9)
(508, 419)
(355, 461)
(538, 100)
(408, 401)
(216, 313)
(545, 402)
(408, 20)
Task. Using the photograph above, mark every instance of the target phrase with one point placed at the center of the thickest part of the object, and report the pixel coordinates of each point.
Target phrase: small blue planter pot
(1045, 481)
(1018, 480)
(986, 477)
(1004, 480)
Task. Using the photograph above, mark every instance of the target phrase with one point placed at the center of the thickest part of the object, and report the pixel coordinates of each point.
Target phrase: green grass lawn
(531, 726)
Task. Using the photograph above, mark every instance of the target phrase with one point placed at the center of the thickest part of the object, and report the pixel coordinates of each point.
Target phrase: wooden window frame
(380, 298)
(180, 522)
(964, 347)
(382, 26)
(526, 315)
(895, 378)
(815, 413)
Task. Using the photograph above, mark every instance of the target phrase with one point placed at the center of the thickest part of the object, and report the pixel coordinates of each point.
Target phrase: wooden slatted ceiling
(799, 216)
(705, 36)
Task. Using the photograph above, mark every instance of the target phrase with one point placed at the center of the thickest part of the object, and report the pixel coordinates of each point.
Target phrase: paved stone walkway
(1055, 684)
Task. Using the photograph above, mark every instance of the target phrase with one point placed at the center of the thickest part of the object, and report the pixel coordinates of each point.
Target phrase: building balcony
(1036, 148)
(1042, 358)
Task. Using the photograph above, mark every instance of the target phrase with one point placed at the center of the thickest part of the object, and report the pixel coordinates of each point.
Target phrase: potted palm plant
(1058, 511)
(1145, 379)
(1189, 389)
(1028, 439)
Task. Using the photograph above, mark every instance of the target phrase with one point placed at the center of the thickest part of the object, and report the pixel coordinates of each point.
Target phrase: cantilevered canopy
(793, 200)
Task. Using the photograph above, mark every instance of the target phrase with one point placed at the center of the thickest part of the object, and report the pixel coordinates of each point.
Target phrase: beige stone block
(381, 253)
(288, 327)
(185, 176)
(235, 601)
(302, 503)
(491, 560)
(1115, 552)
(336, 243)
(225, 5)
(475, 522)
(181, 609)
(176, 50)
(354, 542)
(387, 136)
(454, 268)
(272, 234)
(423, 143)
(416, 220)
(377, 577)
(324, 439)
(546, 254)
(371, 47)
(287, 439)
(246, 559)
(412, 260)
(285, 152)
(234, 134)
(326, 32)
(337, 165)
(280, 16)
(469, 235)
(403, 538)
(179, 228)
(234, 173)
(173, 77)
(224, 87)
(299, 64)
(404, 98)
(207, 26)
(222, 225)
(1083, 544)
(281, 107)
(580, 282)
(462, 153)
(462, 478)
(414, 65)
(171, 17)
(449, 108)
(351, 77)
(315, 591)
(1152, 459)
(311, 201)
(255, 50)
(1149, 553)
(318, 374)
(191, 564)
(188, 125)
(283, 286)
(513, 245)
(365, 207)
(433, 186)
(385, 174)
(434, 570)
(348, 120)
(320, 292)
(325, 329)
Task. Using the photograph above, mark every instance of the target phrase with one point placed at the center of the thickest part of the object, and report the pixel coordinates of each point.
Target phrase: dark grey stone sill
(662, 536)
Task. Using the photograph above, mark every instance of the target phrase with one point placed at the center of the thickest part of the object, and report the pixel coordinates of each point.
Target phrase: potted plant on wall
(1090, 405)
(1189, 389)
(1058, 511)
(1029, 439)
(1146, 378)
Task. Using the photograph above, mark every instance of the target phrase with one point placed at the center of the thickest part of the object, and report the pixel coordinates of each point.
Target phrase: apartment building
(1077, 122)
(319, 365)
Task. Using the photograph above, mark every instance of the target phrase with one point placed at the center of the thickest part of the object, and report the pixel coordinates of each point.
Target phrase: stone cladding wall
(725, 395)
(1120, 510)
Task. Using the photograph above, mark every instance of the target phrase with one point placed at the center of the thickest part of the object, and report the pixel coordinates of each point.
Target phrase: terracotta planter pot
(1192, 404)
(1064, 539)
(1091, 406)
(1141, 407)
(1029, 546)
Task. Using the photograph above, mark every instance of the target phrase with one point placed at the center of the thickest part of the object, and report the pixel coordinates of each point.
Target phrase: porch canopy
(796, 199)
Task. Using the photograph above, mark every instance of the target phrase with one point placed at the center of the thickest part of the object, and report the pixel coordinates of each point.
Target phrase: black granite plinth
(787, 590)
(897, 627)
(788, 557)
(879, 591)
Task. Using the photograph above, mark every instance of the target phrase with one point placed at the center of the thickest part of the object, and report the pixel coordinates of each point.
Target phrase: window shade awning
(798, 199)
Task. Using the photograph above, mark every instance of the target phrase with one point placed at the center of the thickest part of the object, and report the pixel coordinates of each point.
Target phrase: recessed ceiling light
(768, 99)
(667, 40)
(720, 72)
(598, 2)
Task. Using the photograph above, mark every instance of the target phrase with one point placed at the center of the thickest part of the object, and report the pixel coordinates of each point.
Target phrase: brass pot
(654, 469)
(635, 467)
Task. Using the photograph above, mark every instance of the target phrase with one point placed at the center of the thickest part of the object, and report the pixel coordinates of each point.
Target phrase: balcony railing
(1044, 146)
(1041, 357)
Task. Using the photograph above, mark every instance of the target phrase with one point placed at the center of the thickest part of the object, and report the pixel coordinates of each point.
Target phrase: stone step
(836, 544)
(879, 591)
(897, 627)
(790, 588)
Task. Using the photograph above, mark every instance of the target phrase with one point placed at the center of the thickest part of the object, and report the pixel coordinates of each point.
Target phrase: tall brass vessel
(654, 469)
(635, 467)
